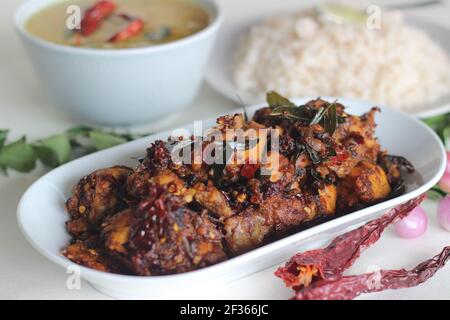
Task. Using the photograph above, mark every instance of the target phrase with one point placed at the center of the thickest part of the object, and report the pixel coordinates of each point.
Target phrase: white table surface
(24, 109)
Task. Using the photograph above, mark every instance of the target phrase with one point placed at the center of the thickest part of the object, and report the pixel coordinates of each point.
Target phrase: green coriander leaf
(103, 140)
(3, 136)
(274, 100)
(18, 155)
(54, 150)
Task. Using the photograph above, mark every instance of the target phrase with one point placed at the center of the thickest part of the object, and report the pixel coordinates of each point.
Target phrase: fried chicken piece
(95, 197)
(140, 183)
(278, 169)
(158, 157)
(352, 142)
(246, 231)
(371, 183)
(274, 215)
(183, 216)
(79, 228)
(116, 232)
(82, 254)
(213, 200)
(366, 183)
(328, 198)
(161, 236)
(355, 142)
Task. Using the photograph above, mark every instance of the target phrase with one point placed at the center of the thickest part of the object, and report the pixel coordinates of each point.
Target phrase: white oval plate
(219, 73)
(41, 213)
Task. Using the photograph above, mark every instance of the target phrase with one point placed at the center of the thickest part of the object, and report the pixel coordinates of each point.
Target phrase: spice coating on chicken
(169, 217)
(160, 236)
(96, 196)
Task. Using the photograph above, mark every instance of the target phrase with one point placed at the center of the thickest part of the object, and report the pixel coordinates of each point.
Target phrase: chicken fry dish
(306, 164)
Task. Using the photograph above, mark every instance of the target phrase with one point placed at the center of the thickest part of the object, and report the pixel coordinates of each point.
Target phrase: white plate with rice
(296, 54)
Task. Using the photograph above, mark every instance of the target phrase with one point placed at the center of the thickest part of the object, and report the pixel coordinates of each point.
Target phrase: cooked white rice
(302, 55)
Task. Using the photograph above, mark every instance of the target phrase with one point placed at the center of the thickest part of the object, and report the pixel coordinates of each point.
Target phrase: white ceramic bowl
(122, 86)
(41, 213)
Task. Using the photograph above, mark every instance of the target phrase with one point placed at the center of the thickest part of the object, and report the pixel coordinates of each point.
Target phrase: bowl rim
(19, 23)
(88, 273)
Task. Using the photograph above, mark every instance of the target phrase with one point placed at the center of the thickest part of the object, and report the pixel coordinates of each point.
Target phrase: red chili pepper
(133, 28)
(336, 160)
(330, 262)
(349, 287)
(249, 170)
(95, 15)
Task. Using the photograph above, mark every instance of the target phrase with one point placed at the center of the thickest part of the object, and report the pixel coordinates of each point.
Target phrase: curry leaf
(274, 100)
(102, 140)
(318, 116)
(57, 149)
(75, 132)
(290, 113)
(327, 116)
(285, 108)
(330, 119)
(441, 124)
(18, 155)
(3, 136)
(437, 122)
(446, 137)
(54, 150)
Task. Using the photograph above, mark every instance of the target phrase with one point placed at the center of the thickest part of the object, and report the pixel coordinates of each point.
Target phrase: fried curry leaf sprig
(56, 150)
(441, 125)
(325, 116)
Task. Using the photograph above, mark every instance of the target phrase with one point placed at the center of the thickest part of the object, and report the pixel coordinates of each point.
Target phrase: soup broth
(132, 23)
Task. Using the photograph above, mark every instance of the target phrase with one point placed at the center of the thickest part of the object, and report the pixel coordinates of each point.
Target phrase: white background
(25, 109)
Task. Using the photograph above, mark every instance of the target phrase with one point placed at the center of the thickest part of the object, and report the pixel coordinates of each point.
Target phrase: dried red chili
(249, 170)
(94, 16)
(332, 261)
(337, 160)
(350, 287)
(133, 28)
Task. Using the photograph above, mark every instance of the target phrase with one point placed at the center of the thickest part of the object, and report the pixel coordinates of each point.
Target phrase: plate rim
(225, 69)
